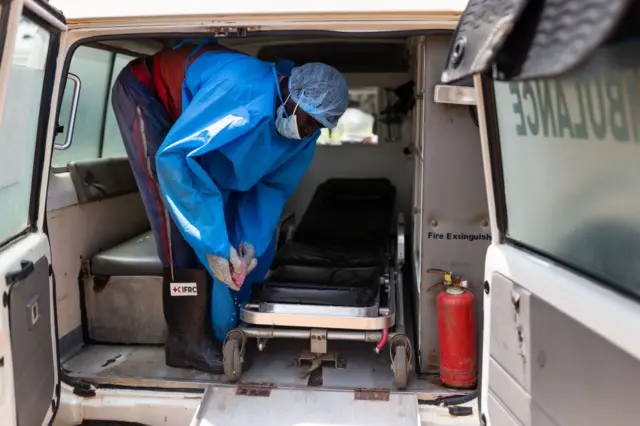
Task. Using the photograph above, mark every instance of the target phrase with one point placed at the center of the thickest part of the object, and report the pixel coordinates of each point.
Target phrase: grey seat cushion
(135, 257)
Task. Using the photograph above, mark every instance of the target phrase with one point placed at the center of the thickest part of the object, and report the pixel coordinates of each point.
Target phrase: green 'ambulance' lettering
(593, 106)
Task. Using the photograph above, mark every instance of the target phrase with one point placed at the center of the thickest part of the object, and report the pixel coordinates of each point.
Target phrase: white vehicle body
(556, 346)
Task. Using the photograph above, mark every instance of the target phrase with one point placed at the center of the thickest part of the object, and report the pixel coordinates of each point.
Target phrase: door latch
(26, 268)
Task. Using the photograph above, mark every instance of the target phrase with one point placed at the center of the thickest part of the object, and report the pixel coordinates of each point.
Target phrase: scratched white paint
(75, 9)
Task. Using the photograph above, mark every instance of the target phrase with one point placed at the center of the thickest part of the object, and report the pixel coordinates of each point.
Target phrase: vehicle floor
(144, 366)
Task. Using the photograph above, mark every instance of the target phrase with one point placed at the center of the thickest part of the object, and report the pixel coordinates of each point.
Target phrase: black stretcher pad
(339, 249)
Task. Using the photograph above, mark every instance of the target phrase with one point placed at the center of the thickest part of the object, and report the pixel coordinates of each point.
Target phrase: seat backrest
(101, 178)
(348, 212)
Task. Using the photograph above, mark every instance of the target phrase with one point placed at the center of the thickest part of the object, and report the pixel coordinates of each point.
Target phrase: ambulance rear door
(558, 88)
(31, 33)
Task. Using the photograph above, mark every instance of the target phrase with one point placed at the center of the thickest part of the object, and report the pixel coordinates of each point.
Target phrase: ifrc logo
(184, 289)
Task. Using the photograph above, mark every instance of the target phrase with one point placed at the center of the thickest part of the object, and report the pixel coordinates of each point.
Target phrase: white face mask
(287, 125)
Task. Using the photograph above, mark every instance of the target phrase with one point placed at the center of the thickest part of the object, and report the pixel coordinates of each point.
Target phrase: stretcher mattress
(327, 256)
(325, 286)
(338, 252)
(348, 212)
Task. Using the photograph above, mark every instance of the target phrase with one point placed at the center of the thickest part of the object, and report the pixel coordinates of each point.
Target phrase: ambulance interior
(108, 279)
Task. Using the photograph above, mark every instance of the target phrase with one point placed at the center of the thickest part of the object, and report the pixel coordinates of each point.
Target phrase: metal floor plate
(145, 366)
(222, 406)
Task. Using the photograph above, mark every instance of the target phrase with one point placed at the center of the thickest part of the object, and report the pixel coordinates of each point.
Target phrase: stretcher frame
(372, 317)
(376, 323)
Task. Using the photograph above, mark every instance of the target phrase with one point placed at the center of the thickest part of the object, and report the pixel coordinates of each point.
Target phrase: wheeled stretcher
(338, 277)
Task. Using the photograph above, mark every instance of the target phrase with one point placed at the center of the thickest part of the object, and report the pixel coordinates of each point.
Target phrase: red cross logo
(175, 289)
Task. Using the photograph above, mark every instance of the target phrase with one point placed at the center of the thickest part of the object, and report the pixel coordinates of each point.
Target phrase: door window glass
(92, 67)
(95, 133)
(19, 125)
(570, 150)
(113, 145)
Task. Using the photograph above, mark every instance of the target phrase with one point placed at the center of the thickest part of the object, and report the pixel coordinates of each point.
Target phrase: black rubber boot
(187, 308)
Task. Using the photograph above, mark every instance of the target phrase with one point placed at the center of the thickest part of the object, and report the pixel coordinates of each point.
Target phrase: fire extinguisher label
(458, 236)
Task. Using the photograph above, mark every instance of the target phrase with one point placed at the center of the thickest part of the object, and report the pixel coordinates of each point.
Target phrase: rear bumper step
(276, 407)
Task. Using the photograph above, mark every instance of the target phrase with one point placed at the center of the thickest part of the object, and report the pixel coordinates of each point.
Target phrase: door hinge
(85, 268)
(83, 389)
(372, 394)
(229, 31)
(254, 389)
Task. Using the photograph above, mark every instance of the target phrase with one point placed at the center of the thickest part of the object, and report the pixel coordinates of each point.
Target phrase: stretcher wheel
(231, 360)
(400, 367)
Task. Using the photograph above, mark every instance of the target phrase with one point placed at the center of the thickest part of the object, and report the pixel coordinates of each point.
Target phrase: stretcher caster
(233, 354)
(400, 351)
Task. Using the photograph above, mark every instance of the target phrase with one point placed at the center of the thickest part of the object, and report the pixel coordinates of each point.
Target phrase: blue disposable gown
(224, 171)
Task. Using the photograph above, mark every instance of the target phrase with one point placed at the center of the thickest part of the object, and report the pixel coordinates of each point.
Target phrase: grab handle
(74, 110)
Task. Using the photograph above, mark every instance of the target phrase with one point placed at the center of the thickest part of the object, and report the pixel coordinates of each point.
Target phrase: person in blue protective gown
(215, 169)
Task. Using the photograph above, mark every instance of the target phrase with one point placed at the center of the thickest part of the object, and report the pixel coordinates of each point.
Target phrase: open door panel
(561, 150)
(31, 32)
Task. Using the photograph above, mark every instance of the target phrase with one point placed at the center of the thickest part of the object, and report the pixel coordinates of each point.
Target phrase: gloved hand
(234, 270)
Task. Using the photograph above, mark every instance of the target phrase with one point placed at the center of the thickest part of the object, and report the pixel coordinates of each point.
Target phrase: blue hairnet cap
(321, 91)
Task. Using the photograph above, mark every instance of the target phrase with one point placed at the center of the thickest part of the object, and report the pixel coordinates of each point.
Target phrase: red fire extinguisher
(456, 332)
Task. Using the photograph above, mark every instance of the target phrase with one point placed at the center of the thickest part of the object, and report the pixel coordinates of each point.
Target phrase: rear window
(357, 124)
(570, 151)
